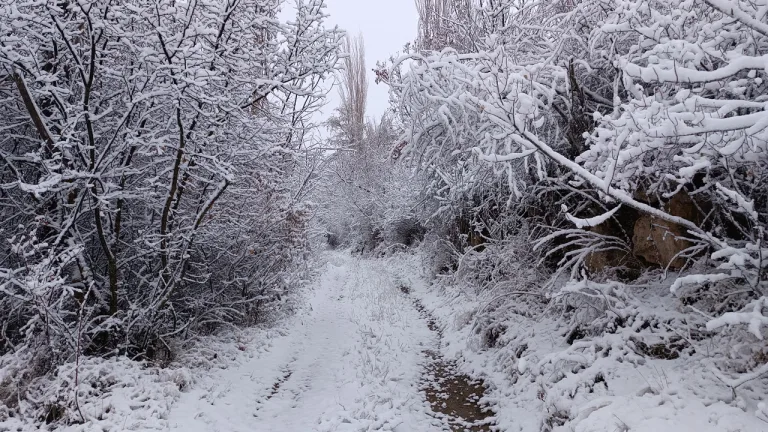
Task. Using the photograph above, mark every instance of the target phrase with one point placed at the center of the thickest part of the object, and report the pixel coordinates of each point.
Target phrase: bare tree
(447, 24)
(353, 91)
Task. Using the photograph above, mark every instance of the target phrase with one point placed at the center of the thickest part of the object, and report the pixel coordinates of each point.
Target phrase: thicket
(583, 157)
(366, 201)
(148, 157)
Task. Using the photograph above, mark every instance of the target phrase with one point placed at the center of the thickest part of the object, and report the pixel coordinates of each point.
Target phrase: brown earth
(453, 396)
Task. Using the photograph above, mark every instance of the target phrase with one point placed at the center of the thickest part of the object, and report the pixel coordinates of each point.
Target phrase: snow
(498, 110)
(114, 394)
(350, 362)
(747, 206)
(351, 359)
(680, 74)
(522, 365)
(698, 279)
(754, 319)
(593, 221)
(536, 377)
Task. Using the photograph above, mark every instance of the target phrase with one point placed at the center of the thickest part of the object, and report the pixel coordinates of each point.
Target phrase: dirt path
(452, 395)
(360, 357)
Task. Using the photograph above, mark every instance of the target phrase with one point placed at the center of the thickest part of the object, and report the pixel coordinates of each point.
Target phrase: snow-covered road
(351, 362)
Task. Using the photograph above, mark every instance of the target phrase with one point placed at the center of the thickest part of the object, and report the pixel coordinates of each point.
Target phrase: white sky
(386, 25)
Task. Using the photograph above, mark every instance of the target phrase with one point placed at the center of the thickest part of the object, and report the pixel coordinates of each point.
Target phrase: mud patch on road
(453, 396)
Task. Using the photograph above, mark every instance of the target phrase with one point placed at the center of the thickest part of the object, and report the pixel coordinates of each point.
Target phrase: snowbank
(629, 368)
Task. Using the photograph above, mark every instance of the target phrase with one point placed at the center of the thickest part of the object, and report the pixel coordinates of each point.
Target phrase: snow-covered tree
(613, 125)
(145, 155)
(692, 121)
(372, 195)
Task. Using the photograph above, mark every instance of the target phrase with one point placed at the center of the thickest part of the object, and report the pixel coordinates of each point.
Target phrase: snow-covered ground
(539, 382)
(353, 358)
(351, 362)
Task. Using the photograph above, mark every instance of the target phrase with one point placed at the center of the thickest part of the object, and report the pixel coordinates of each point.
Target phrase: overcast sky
(386, 26)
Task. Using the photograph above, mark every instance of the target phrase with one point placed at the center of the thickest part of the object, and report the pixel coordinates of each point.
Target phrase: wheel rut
(454, 397)
(280, 381)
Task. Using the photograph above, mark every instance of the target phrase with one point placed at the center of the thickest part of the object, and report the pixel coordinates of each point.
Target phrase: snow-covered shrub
(498, 266)
(439, 255)
(106, 393)
(406, 231)
(693, 123)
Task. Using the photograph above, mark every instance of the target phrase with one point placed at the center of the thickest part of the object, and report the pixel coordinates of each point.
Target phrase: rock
(683, 206)
(658, 241)
(654, 241)
(598, 261)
